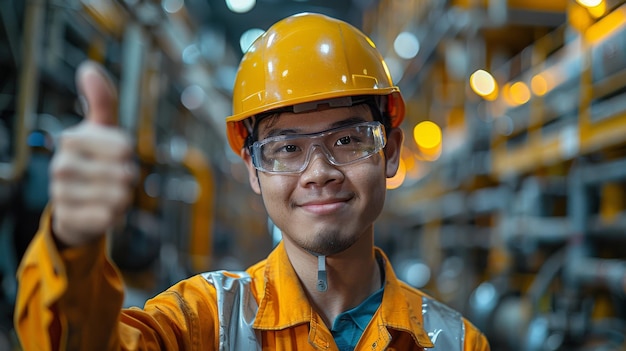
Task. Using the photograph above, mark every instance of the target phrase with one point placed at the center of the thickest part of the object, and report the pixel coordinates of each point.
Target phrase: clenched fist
(93, 170)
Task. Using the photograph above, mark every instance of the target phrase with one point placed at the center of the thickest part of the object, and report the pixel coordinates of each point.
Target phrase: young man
(316, 122)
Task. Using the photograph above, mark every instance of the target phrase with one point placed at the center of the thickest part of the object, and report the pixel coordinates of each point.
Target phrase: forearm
(92, 302)
(69, 299)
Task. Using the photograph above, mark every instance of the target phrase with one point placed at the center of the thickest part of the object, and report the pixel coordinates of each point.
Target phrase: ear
(392, 151)
(252, 172)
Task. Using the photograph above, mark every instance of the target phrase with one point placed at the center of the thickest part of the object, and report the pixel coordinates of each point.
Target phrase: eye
(285, 148)
(288, 148)
(344, 140)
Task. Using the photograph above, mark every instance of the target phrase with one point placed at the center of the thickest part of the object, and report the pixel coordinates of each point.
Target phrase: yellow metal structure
(595, 65)
(201, 238)
(603, 111)
(534, 5)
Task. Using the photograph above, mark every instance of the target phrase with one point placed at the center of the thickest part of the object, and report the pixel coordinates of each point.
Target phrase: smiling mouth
(325, 207)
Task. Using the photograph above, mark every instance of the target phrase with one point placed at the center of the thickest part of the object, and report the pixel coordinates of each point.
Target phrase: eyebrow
(344, 122)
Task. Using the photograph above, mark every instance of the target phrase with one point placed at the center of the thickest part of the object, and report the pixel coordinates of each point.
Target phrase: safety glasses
(290, 154)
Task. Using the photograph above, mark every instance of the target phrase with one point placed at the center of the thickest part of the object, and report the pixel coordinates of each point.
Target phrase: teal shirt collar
(361, 314)
(349, 325)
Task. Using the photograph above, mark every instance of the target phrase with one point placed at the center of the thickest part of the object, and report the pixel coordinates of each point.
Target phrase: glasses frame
(378, 132)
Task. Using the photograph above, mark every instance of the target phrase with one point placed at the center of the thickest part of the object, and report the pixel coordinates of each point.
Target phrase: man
(316, 122)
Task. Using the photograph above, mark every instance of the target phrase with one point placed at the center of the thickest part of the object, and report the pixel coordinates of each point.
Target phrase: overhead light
(483, 84)
(193, 97)
(191, 54)
(240, 6)
(172, 6)
(248, 37)
(406, 45)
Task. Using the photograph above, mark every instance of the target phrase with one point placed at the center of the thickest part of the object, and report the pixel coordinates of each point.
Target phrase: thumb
(97, 88)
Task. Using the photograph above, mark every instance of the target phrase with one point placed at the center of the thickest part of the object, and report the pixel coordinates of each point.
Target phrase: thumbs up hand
(92, 171)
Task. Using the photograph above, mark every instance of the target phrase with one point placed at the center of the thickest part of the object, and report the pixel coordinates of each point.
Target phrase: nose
(320, 171)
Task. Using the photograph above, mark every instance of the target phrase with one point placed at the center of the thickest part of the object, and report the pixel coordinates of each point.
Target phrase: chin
(330, 243)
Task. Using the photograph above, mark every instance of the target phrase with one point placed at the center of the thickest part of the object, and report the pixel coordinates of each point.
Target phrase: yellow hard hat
(305, 58)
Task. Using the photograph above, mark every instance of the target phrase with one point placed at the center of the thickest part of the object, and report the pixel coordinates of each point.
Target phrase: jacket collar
(283, 303)
(401, 308)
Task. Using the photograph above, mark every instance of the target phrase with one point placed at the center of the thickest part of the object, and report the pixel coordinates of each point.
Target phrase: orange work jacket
(71, 300)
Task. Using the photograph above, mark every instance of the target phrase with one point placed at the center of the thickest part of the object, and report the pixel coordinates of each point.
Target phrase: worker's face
(325, 208)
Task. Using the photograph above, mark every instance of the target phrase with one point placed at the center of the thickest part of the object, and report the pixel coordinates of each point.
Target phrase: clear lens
(342, 146)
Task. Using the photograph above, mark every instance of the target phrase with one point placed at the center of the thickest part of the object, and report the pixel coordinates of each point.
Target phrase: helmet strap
(322, 283)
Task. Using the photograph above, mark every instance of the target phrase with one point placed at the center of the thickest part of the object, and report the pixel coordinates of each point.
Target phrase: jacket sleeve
(72, 299)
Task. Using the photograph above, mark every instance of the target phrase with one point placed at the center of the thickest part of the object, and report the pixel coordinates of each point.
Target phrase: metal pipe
(604, 172)
(134, 48)
(597, 272)
(202, 216)
(28, 90)
(581, 268)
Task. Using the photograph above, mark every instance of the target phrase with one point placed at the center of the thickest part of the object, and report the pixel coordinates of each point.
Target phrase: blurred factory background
(510, 204)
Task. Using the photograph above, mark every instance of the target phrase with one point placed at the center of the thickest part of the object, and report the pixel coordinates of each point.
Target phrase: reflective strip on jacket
(83, 313)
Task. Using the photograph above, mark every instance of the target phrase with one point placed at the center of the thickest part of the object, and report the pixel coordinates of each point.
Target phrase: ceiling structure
(436, 23)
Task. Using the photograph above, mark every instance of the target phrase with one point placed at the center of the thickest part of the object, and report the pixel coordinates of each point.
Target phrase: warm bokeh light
(483, 84)
(427, 135)
(539, 85)
(519, 92)
(397, 180)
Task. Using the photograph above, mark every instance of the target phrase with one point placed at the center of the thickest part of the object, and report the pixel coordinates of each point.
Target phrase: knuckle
(58, 163)
(120, 197)
(54, 190)
(131, 173)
